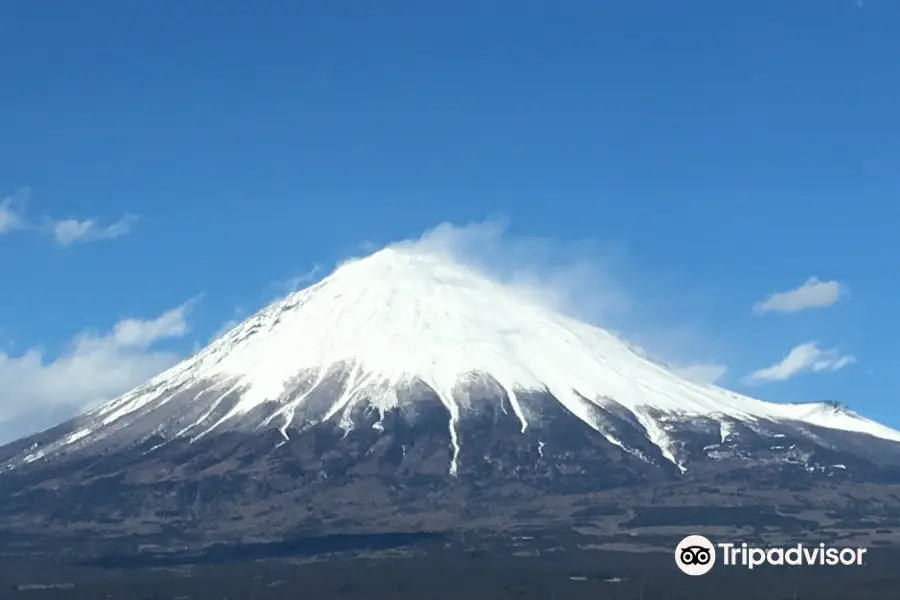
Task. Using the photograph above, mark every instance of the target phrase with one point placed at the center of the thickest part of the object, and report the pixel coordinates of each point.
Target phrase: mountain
(398, 390)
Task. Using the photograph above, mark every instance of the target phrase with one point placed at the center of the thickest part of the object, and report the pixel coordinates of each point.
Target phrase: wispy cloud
(813, 293)
(13, 216)
(71, 231)
(40, 392)
(12, 211)
(805, 358)
(577, 278)
(702, 372)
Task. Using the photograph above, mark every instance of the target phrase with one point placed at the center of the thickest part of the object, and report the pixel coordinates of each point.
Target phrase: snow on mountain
(400, 318)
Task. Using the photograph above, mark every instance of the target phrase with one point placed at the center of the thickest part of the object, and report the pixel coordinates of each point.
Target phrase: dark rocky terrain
(555, 512)
(243, 487)
(538, 564)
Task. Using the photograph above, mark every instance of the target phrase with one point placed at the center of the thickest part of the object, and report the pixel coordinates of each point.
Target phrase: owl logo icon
(695, 555)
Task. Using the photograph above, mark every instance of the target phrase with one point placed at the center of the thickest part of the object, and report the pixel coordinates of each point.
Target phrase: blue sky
(171, 166)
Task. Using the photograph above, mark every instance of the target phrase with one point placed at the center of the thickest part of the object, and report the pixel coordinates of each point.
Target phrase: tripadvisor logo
(696, 555)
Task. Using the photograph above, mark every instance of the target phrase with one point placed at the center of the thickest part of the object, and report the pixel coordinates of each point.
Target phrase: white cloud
(805, 358)
(702, 372)
(39, 392)
(12, 211)
(579, 279)
(70, 231)
(812, 294)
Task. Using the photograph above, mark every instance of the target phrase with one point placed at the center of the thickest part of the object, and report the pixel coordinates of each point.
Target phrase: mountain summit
(415, 370)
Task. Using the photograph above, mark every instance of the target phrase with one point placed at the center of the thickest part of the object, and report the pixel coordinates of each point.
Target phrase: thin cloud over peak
(702, 372)
(805, 358)
(813, 293)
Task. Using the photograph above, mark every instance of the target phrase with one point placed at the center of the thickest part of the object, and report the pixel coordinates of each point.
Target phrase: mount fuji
(398, 389)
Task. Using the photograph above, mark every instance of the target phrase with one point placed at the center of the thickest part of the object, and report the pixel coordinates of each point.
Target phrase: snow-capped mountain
(384, 334)
(404, 386)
